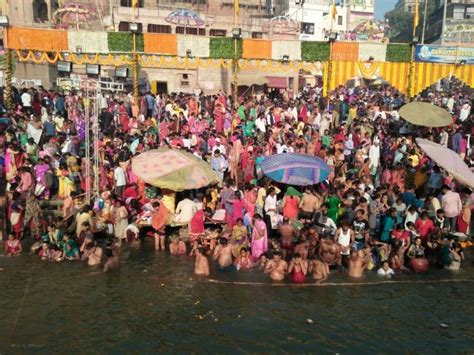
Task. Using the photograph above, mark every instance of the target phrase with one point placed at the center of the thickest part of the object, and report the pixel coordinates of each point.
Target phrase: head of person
(385, 265)
(297, 257)
(243, 252)
(345, 225)
(223, 241)
(276, 256)
(240, 222)
(424, 215)
(272, 191)
(11, 237)
(417, 241)
(359, 214)
(257, 217)
(440, 213)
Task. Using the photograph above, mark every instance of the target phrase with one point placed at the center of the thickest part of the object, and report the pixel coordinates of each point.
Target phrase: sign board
(445, 55)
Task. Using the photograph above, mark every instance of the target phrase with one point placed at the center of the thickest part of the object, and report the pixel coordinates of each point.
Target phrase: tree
(401, 22)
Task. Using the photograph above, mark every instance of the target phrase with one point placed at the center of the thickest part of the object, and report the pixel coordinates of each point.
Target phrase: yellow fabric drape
(341, 72)
(37, 39)
(426, 74)
(396, 74)
(160, 43)
(256, 49)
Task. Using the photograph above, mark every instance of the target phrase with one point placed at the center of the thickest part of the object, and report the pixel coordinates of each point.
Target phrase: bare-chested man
(276, 267)
(223, 255)
(287, 233)
(93, 254)
(112, 252)
(320, 271)
(201, 266)
(302, 247)
(309, 203)
(330, 252)
(177, 246)
(357, 263)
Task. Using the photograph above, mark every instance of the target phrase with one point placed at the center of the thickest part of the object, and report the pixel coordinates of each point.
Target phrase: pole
(8, 73)
(329, 74)
(424, 22)
(135, 71)
(235, 77)
(445, 9)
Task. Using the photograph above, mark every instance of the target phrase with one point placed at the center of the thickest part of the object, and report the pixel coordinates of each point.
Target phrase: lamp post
(236, 34)
(134, 29)
(332, 38)
(411, 73)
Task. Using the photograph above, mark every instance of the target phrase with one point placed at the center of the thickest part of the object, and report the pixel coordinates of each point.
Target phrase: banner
(438, 54)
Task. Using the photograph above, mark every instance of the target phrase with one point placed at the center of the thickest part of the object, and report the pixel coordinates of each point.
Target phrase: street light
(236, 32)
(79, 50)
(134, 27)
(188, 53)
(285, 59)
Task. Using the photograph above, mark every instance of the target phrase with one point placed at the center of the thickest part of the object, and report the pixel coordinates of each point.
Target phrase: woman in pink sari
(259, 242)
(250, 198)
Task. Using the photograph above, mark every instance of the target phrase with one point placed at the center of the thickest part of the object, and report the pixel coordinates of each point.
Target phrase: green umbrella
(291, 191)
(426, 115)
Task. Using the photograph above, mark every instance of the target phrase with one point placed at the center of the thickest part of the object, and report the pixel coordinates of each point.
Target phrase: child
(13, 246)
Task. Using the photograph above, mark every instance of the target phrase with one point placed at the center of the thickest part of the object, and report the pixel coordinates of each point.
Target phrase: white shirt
(119, 176)
(26, 99)
(465, 112)
(261, 125)
(185, 210)
(387, 273)
(270, 203)
(374, 155)
(220, 147)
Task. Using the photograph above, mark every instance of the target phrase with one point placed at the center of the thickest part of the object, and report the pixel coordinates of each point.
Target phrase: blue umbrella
(296, 169)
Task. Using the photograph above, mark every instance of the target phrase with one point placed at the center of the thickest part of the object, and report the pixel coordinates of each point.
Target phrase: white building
(316, 17)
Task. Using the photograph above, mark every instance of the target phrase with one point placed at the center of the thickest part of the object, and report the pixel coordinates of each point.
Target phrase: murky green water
(153, 304)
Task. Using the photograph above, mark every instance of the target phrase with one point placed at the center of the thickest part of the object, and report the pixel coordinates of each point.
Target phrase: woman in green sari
(333, 202)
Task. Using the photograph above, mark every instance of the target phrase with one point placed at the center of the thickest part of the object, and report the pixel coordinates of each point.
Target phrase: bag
(39, 189)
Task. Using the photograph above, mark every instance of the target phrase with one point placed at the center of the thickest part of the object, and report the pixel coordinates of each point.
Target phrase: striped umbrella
(296, 169)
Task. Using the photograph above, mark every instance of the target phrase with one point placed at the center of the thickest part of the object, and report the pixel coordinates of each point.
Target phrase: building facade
(258, 19)
(457, 29)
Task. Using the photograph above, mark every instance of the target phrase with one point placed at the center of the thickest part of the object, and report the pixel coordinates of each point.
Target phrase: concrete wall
(45, 72)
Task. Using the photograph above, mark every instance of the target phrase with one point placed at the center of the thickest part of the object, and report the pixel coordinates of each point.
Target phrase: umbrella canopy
(449, 160)
(173, 169)
(425, 114)
(185, 17)
(296, 169)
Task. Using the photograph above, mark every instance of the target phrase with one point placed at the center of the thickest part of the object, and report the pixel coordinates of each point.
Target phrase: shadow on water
(154, 303)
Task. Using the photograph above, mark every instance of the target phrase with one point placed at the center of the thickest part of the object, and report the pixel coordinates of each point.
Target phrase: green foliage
(398, 53)
(3, 62)
(123, 42)
(224, 48)
(314, 51)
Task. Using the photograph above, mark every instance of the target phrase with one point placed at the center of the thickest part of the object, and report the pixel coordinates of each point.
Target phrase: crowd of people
(386, 207)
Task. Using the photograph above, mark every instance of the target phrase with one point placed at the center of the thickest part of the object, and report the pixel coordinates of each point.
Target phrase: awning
(249, 79)
(277, 82)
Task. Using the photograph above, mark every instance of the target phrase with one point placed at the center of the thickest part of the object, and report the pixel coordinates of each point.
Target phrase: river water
(154, 303)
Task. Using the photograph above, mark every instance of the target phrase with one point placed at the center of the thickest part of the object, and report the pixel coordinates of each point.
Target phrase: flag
(334, 10)
(135, 3)
(416, 19)
(236, 8)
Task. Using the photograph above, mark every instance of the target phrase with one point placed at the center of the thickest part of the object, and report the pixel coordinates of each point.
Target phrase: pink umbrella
(449, 160)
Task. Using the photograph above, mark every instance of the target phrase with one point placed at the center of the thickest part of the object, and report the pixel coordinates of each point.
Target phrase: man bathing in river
(201, 265)
(177, 246)
(223, 255)
(276, 267)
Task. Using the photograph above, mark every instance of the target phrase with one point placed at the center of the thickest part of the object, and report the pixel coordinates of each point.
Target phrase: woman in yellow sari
(66, 186)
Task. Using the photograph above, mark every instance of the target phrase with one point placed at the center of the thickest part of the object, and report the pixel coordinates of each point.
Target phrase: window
(40, 11)
(190, 31)
(339, 20)
(125, 27)
(257, 35)
(409, 8)
(159, 28)
(307, 28)
(217, 33)
(128, 3)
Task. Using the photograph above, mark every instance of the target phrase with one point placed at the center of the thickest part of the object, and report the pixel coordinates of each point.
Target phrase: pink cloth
(259, 246)
(451, 204)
